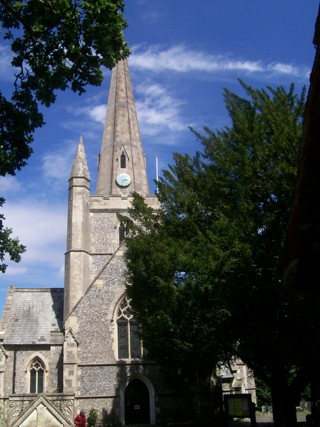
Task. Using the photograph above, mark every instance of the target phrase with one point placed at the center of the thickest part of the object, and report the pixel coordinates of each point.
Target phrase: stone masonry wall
(16, 382)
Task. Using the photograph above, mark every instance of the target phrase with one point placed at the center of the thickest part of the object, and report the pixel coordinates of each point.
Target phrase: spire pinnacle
(80, 166)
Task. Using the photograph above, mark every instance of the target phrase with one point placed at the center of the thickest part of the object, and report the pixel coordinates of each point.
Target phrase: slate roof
(30, 315)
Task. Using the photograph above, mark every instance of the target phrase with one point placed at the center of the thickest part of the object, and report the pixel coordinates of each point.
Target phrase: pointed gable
(42, 412)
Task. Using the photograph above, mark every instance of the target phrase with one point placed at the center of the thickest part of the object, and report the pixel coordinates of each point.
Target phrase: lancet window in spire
(123, 161)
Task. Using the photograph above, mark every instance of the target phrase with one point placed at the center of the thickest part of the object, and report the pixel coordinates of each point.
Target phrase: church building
(63, 350)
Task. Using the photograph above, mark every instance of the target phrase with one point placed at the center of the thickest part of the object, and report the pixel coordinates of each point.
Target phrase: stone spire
(80, 166)
(122, 166)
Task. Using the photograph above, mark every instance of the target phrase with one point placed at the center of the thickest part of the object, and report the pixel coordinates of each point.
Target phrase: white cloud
(9, 184)
(41, 227)
(158, 110)
(97, 113)
(180, 59)
(288, 70)
(57, 165)
(16, 270)
(93, 107)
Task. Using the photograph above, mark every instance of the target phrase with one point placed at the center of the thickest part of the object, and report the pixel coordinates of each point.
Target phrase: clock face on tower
(123, 179)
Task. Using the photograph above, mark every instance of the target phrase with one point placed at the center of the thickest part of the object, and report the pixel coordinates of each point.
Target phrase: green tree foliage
(92, 418)
(8, 246)
(263, 394)
(205, 273)
(172, 266)
(56, 45)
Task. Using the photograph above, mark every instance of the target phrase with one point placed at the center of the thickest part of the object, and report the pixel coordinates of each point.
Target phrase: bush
(263, 393)
(92, 418)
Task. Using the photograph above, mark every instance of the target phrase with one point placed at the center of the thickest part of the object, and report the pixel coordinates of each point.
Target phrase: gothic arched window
(123, 161)
(36, 371)
(129, 345)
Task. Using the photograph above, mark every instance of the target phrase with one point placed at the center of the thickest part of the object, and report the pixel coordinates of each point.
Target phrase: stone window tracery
(36, 372)
(129, 344)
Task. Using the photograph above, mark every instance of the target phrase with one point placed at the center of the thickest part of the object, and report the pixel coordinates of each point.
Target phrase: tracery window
(36, 372)
(129, 344)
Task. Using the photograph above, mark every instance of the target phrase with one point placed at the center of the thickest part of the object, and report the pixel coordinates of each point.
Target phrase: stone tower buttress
(77, 258)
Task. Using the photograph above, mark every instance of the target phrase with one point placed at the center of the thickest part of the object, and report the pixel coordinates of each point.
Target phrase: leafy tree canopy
(56, 45)
(8, 245)
(205, 272)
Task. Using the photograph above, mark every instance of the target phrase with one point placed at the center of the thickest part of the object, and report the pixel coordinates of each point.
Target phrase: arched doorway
(137, 403)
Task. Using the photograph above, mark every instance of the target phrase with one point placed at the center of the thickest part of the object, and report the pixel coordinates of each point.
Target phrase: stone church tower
(62, 350)
(102, 353)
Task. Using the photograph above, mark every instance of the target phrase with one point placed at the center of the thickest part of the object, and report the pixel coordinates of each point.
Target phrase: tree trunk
(283, 402)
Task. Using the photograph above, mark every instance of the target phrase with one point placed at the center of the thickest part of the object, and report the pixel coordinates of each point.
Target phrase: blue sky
(183, 54)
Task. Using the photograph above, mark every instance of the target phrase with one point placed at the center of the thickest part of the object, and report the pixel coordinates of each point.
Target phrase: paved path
(266, 420)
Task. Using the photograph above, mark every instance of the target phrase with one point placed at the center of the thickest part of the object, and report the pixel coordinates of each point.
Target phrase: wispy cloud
(9, 184)
(97, 113)
(40, 224)
(94, 108)
(181, 59)
(41, 227)
(158, 110)
(150, 11)
(56, 165)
